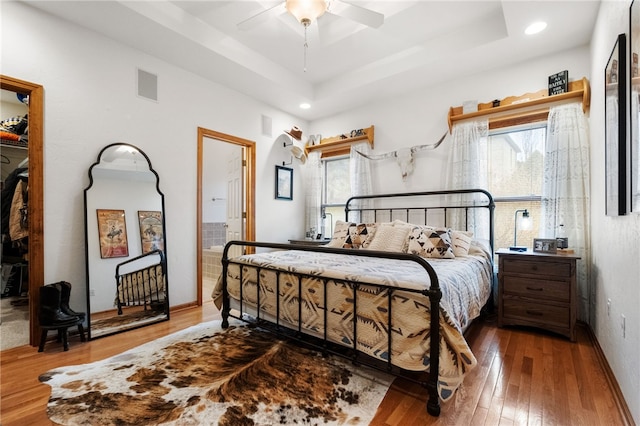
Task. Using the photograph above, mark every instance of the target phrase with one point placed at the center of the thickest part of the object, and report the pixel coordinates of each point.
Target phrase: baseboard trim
(183, 306)
(72, 332)
(618, 397)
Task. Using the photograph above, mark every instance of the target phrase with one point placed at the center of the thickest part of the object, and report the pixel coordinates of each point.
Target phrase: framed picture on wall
(112, 233)
(634, 54)
(284, 183)
(151, 230)
(615, 129)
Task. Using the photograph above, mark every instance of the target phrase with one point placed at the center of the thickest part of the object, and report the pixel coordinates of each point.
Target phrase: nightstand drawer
(558, 269)
(538, 313)
(537, 289)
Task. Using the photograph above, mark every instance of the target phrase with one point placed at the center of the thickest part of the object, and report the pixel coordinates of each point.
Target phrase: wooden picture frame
(634, 93)
(545, 245)
(112, 233)
(151, 230)
(615, 130)
(284, 183)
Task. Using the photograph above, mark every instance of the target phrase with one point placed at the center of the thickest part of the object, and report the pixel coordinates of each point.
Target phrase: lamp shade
(306, 11)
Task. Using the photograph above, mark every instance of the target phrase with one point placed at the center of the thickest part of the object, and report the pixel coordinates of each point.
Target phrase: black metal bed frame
(134, 280)
(433, 293)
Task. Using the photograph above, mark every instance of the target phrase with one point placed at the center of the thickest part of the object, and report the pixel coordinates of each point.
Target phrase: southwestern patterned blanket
(465, 283)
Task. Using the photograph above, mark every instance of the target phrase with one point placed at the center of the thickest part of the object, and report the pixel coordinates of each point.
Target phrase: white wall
(615, 240)
(90, 101)
(421, 117)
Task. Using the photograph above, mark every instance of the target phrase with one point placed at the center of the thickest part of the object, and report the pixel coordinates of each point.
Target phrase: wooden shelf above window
(530, 107)
(340, 145)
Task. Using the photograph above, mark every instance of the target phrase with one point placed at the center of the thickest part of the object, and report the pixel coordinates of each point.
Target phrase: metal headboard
(436, 208)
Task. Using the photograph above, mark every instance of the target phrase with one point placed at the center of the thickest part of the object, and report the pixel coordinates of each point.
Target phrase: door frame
(249, 191)
(36, 193)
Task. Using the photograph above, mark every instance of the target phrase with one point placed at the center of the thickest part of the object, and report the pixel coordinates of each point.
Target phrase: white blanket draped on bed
(465, 283)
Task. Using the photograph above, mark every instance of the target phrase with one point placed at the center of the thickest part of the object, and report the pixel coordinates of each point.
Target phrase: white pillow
(389, 238)
(340, 233)
(461, 242)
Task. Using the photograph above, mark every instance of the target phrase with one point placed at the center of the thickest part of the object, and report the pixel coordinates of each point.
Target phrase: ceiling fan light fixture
(535, 28)
(306, 11)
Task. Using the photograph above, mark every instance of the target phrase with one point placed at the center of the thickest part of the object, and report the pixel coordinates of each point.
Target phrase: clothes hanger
(5, 159)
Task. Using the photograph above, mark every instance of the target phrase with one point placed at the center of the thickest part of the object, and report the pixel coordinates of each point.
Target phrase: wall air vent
(147, 85)
(266, 126)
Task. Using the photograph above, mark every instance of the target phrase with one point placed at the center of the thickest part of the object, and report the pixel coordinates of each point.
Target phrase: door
(235, 200)
(237, 192)
(36, 191)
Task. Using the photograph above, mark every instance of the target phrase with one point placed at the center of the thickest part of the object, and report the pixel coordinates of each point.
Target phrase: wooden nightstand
(538, 289)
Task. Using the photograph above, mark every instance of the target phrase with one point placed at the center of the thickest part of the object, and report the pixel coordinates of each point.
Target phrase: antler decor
(404, 156)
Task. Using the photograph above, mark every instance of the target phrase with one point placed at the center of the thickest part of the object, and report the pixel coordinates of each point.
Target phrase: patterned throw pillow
(461, 242)
(427, 241)
(340, 234)
(390, 238)
(360, 235)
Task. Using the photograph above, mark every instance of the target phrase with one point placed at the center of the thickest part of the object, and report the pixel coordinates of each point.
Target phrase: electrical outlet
(623, 324)
(608, 307)
(92, 292)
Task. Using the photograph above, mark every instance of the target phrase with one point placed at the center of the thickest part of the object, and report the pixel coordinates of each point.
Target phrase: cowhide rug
(208, 376)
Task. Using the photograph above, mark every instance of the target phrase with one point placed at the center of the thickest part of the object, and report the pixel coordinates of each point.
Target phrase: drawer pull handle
(537, 313)
(535, 289)
(534, 267)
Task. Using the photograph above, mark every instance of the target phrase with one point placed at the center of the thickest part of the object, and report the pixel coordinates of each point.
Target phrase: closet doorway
(226, 201)
(35, 211)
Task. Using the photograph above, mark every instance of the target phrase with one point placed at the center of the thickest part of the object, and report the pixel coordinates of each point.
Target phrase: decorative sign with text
(559, 83)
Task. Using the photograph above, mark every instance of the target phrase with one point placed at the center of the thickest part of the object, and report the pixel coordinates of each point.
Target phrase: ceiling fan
(307, 11)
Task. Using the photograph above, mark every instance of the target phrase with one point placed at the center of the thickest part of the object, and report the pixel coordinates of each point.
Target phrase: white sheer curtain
(360, 177)
(565, 192)
(467, 168)
(313, 193)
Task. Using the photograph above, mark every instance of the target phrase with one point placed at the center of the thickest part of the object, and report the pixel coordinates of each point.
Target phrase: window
(515, 172)
(515, 168)
(336, 190)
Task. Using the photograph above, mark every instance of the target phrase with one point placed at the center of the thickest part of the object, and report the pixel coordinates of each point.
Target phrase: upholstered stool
(63, 333)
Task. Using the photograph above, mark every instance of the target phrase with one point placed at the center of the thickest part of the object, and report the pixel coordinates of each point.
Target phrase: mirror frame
(128, 257)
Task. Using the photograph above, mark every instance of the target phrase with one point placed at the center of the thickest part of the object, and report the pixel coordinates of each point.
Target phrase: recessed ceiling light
(535, 28)
(305, 105)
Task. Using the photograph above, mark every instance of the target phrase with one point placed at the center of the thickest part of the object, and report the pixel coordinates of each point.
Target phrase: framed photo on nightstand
(545, 245)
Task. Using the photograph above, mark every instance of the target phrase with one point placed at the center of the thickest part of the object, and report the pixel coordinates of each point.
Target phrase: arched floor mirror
(127, 285)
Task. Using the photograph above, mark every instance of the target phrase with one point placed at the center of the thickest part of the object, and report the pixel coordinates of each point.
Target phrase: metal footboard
(322, 342)
(145, 286)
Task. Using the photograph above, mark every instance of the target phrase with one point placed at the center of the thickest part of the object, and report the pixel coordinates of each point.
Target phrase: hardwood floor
(523, 377)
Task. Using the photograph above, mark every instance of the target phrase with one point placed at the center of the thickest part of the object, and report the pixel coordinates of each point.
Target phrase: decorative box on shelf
(341, 144)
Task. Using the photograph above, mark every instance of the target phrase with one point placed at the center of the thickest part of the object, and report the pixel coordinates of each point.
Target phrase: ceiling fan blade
(261, 17)
(358, 14)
